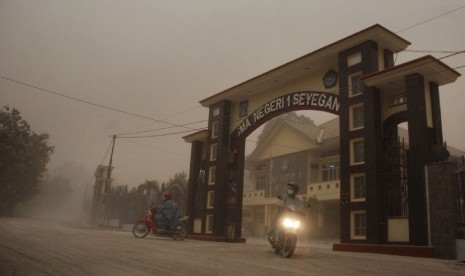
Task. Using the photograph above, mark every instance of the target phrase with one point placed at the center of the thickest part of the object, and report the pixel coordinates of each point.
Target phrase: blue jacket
(170, 210)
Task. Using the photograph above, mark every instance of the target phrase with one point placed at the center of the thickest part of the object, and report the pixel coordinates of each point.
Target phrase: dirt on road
(45, 247)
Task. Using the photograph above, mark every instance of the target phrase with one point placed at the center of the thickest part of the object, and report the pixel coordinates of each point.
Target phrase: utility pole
(108, 181)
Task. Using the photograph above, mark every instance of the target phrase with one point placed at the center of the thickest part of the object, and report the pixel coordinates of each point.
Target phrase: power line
(431, 51)
(155, 148)
(160, 135)
(456, 53)
(186, 125)
(430, 19)
(91, 103)
(157, 129)
(348, 87)
(182, 112)
(451, 53)
(165, 118)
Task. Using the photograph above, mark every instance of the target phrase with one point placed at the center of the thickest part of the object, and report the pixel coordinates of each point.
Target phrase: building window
(202, 176)
(354, 59)
(216, 111)
(330, 171)
(210, 199)
(260, 179)
(358, 225)
(357, 151)
(211, 175)
(243, 108)
(213, 152)
(397, 100)
(357, 119)
(209, 223)
(214, 133)
(356, 85)
(314, 173)
(357, 187)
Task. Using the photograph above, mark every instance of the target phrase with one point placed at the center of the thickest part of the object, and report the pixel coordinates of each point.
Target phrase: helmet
(293, 186)
(167, 195)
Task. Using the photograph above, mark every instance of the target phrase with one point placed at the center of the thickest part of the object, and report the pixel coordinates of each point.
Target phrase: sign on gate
(310, 100)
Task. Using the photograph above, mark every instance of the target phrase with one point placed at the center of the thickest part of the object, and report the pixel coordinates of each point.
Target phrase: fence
(459, 175)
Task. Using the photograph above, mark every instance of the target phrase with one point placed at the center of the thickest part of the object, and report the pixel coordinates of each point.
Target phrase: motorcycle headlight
(291, 223)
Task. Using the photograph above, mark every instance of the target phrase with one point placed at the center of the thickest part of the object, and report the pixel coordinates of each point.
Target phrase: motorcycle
(148, 224)
(288, 226)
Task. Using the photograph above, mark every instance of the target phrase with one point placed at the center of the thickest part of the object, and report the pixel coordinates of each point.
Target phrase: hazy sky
(160, 58)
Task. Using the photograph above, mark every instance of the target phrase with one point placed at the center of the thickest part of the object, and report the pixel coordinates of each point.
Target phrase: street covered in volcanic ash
(45, 247)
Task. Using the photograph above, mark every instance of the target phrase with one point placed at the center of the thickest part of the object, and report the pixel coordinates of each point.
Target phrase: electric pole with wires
(108, 183)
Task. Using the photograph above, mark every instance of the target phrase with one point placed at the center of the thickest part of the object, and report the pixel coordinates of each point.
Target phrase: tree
(23, 159)
(178, 187)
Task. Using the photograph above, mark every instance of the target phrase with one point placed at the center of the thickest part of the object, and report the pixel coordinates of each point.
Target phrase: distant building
(101, 187)
(309, 155)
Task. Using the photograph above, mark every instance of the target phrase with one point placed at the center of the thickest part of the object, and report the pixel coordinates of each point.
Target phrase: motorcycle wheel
(288, 245)
(140, 230)
(180, 233)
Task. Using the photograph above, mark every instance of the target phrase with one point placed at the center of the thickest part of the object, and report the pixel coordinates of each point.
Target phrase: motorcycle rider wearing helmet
(291, 201)
(167, 213)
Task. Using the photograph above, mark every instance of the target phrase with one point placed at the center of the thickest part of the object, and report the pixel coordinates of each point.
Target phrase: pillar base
(215, 238)
(401, 250)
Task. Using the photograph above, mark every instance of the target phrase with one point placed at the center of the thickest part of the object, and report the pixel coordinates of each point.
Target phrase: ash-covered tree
(23, 159)
(178, 187)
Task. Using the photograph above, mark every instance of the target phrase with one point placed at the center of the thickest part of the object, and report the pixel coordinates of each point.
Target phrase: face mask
(290, 192)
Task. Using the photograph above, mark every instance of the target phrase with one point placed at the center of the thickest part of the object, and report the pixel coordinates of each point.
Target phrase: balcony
(328, 190)
(257, 194)
(257, 197)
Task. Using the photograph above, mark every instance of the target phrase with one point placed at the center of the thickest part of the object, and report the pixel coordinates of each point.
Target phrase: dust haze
(65, 193)
(160, 58)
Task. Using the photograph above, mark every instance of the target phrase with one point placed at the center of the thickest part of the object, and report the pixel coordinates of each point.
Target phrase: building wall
(322, 217)
(442, 209)
(285, 142)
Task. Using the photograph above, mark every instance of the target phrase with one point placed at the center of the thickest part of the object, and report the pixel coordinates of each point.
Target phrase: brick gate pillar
(418, 154)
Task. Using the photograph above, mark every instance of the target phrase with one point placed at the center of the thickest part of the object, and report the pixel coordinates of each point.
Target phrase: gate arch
(356, 77)
(302, 100)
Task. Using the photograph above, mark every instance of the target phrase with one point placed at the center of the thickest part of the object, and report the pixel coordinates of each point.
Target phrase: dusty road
(37, 247)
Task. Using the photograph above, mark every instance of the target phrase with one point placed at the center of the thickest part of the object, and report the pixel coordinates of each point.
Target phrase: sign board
(311, 100)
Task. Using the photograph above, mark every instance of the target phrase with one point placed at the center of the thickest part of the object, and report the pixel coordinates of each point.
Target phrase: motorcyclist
(291, 201)
(166, 213)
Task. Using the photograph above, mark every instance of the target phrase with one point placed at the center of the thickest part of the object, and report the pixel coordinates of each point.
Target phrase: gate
(397, 179)
(459, 175)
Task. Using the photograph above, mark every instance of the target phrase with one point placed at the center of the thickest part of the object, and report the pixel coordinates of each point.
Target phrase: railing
(257, 194)
(324, 190)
